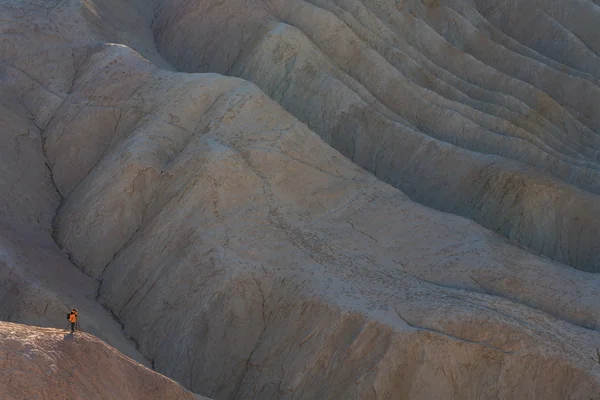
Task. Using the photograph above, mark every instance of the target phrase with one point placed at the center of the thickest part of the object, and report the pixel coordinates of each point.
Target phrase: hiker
(72, 317)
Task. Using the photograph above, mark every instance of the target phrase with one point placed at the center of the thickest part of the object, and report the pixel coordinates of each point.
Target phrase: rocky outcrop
(249, 259)
(50, 364)
(484, 109)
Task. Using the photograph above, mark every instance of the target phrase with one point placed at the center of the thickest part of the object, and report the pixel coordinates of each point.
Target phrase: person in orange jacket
(72, 317)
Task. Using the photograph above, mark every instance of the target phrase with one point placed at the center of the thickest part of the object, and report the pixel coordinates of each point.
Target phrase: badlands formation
(191, 175)
(55, 365)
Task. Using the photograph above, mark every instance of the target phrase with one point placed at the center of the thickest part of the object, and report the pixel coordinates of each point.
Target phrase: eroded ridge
(484, 109)
(49, 363)
(248, 258)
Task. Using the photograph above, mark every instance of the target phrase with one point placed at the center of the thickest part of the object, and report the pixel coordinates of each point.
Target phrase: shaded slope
(249, 259)
(445, 100)
(38, 283)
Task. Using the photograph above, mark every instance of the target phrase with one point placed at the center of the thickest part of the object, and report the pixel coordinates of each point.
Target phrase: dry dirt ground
(223, 229)
(45, 363)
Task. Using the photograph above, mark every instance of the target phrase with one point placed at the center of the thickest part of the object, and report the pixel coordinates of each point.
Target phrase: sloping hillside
(246, 257)
(44, 363)
(483, 108)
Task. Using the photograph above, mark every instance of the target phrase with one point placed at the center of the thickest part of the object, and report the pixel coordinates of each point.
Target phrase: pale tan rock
(38, 283)
(427, 95)
(39, 286)
(44, 363)
(249, 259)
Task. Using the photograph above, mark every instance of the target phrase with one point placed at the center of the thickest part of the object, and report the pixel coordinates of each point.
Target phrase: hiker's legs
(72, 327)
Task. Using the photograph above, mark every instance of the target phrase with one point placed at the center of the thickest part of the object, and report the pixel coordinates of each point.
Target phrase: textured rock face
(42, 363)
(38, 285)
(248, 258)
(485, 109)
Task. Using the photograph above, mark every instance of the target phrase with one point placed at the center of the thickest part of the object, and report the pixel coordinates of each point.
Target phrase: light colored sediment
(44, 363)
(248, 258)
(427, 95)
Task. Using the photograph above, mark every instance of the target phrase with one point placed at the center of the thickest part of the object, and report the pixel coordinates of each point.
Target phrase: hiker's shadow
(69, 336)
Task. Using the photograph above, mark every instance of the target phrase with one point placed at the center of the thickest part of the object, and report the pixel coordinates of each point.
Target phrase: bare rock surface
(249, 259)
(487, 109)
(38, 286)
(44, 363)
